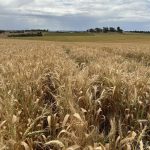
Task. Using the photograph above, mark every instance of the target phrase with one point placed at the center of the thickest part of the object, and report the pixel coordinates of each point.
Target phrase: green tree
(98, 30)
(119, 30)
(105, 29)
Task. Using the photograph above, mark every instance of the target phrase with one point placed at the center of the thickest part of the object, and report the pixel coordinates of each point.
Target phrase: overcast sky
(74, 14)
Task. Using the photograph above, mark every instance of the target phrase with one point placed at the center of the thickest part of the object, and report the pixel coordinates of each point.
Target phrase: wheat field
(74, 96)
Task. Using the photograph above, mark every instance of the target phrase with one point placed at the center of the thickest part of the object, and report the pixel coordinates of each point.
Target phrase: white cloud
(101, 10)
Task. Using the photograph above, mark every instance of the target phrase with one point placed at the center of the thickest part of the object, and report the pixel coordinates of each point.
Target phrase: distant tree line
(26, 34)
(105, 30)
(28, 31)
(2, 31)
(24, 31)
(139, 31)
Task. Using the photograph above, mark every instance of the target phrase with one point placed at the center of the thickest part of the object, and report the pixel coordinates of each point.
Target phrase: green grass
(68, 34)
(87, 37)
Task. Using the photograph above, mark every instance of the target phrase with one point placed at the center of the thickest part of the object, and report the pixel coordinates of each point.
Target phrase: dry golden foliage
(75, 96)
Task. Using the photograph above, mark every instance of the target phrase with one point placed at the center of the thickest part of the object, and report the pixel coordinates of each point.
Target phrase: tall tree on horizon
(119, 30)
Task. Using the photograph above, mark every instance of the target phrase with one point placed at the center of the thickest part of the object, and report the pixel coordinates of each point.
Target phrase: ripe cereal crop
(74, 96)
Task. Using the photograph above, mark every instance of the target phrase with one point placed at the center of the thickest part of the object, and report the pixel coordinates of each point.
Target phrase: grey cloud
(74, 15)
